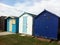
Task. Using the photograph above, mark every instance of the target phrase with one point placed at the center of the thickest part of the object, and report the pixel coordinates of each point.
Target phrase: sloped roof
(27, 13)
(54, 11)
(47, 12)
(12, 17)
(54, 7)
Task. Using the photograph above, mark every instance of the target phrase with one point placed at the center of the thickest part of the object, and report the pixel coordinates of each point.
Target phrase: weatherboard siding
(28, 25)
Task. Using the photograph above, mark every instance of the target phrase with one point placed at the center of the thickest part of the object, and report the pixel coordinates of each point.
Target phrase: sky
(33, 6)
(13, 2)
(30, 6)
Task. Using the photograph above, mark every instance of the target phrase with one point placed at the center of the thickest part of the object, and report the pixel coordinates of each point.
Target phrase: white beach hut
(26, 23)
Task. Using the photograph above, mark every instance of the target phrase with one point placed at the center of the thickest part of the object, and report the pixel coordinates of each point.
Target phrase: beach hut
(12, 24)
(46, 25)
(2, 23)
(26, 23)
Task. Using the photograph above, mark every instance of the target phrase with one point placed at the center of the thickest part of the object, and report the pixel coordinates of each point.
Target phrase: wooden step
(44, 39)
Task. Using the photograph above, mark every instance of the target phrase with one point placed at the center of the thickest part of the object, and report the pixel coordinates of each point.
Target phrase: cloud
(6, 10)
(32, 6)
(37, 6)
(54, 7)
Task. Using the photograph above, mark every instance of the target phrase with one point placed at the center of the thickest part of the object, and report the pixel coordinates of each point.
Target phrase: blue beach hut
(46, 25)
(12, 24)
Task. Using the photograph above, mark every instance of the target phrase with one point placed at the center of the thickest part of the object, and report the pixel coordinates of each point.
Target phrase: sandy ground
(5, 33)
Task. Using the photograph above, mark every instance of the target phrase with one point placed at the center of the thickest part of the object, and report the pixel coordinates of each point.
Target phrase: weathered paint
(12, 24)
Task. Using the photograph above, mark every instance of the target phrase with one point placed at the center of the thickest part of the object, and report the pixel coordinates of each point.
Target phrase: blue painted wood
(14, 28)
(46, 25)
(25, 24)
(52, 27)
(17, 25)
(8, 25)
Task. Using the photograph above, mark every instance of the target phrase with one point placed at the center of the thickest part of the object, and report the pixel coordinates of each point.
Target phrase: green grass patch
(16, 39)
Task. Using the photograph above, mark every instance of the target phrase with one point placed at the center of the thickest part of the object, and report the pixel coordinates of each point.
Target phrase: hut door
(10, 25)
(13, 25)
(25, 24)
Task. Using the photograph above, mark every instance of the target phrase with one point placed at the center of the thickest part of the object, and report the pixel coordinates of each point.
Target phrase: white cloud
(54, 7)
(6, 10)
(39, 5)
(36, 7)
(32, 6)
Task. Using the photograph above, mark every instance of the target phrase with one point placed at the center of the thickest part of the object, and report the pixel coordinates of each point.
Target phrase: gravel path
(5, 33)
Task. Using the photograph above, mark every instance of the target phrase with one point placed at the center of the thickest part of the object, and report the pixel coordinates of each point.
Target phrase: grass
(16, 39)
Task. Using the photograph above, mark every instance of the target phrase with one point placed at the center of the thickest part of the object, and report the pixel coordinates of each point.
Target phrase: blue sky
(8, 2)
(12, 2)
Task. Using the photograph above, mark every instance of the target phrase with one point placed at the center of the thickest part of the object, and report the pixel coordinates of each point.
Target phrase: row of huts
(46, 24)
